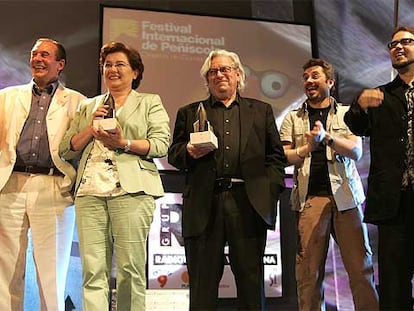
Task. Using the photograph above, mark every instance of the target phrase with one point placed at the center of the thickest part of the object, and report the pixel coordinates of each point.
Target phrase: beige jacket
(15, 104)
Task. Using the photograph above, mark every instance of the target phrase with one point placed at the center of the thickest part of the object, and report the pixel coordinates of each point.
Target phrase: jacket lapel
(399, 93)
(247, 115)
(58, 99)
(25, 97)
(130, 106)
(397, 90)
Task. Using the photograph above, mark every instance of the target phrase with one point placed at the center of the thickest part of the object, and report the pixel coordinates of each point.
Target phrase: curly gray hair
(236, 64)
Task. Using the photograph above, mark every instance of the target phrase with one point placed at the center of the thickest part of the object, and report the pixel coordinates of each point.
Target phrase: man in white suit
(35, 182)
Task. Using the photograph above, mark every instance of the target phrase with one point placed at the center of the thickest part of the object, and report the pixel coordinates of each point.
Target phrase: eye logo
(273, 84)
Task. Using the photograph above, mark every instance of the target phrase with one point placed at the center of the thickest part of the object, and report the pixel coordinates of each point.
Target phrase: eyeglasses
(118, 65)
(212, 72)
(404, 42)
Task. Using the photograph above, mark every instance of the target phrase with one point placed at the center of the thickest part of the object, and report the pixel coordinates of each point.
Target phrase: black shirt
(319, 182)
(226, 125)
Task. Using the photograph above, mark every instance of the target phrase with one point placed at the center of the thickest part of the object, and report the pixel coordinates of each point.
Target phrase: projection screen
(173, 47)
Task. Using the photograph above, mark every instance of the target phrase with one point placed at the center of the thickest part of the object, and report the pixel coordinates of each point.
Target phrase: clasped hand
(316, 135)
(111, 140)
(197, 152)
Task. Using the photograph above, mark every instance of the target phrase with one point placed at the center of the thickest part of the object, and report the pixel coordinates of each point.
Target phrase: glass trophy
(203, 134)
(108, 122)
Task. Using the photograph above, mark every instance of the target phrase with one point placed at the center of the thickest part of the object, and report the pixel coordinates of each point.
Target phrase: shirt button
(227, 133)
(36, 137)
(226, 165)
(227, 148)
(227, 121)
(33, 154)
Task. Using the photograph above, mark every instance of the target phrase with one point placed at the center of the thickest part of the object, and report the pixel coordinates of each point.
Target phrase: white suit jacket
(15, 102)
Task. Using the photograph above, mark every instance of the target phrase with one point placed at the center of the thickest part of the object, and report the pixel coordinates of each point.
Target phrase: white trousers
(34, 201)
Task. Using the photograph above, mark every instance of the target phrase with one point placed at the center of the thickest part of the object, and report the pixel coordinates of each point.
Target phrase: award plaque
(108, 123)
(203, 134)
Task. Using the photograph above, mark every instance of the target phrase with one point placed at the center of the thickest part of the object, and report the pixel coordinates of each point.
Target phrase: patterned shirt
(101, 177)
(408, 175)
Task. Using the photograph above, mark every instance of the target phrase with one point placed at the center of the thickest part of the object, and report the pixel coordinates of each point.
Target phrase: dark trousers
(396, 257)
(233, 221)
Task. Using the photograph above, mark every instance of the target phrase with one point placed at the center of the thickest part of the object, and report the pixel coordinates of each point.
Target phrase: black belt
(224, 184)
(32, 169)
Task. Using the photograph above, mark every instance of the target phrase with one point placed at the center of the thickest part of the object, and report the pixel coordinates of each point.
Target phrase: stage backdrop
(173, 47)
(166, 259)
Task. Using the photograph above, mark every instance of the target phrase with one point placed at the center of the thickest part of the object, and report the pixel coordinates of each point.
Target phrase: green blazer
(142, 117)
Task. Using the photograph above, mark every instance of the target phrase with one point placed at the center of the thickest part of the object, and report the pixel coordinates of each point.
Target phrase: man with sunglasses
(385, 114)
(231, 192)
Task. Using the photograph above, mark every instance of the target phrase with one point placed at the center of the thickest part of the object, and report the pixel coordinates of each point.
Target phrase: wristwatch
(330, 141)
(127, 146)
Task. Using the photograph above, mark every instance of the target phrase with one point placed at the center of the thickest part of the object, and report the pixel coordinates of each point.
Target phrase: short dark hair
(403, 28)
(60, 53)
(326, 67)
(134, 59)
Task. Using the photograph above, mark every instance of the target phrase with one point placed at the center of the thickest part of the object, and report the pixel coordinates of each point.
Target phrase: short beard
(402, 65)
